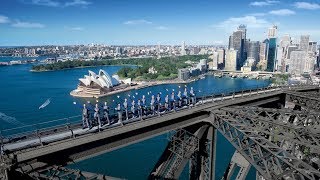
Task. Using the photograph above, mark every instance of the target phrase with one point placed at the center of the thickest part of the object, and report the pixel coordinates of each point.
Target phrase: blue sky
(140, 22)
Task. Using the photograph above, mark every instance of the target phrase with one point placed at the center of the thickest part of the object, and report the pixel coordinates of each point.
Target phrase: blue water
(10, 58)
(22, 92)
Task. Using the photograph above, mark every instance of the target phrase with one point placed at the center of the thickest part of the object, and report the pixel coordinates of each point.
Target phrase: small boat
(202, 77)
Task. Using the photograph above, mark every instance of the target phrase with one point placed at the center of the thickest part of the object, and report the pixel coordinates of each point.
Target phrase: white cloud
(137, 22)
(4, 19)
(263, 3)
(282, 12)
(257, 14)
(75, 28)
(50, 3)
(20, 24)
(55, 3)
(251, 21)
(306, 5)
(83, 3)
(161, 28)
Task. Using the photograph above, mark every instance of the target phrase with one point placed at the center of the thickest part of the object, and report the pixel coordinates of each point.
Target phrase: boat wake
(9, 119)
(46, 103)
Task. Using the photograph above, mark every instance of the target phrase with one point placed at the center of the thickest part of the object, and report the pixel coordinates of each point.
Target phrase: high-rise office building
(237, 42)
(221, 58)
(231, 60)
(215, 59)
(282, 48)
(296, 63)
(272, 54)
(290, 49)
(304, 42)
(253, 50)
(263, 55)
(243, 29)
(183, 49)
(312, 47)
(272, 32)
(300, 62)
(230, 42)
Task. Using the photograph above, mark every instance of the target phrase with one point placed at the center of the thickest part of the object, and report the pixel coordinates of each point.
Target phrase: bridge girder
(303, 99)
(186, 146)
(275, 125)
(269, 159)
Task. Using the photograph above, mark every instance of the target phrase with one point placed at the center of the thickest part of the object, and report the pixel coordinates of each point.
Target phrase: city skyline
(56, 22)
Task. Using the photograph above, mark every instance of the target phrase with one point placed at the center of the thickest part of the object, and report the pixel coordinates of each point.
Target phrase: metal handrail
(68, 124)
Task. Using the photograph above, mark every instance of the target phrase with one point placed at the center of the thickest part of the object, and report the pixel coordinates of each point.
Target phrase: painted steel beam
(267, 157)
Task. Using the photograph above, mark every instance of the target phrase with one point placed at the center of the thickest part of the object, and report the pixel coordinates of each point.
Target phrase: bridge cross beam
(184, 146)
(307, 102)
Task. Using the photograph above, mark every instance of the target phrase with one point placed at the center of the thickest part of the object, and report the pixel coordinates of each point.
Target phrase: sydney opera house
(99, 84)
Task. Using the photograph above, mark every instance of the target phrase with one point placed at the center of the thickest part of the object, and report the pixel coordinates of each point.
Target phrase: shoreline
(139, 85)
(80, 67)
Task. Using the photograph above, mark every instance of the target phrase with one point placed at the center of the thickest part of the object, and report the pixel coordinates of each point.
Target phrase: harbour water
(22, 92)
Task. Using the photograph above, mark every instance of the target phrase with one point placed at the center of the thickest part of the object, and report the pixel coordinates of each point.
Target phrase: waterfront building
(101, 80)
(183, 74)
(304, 42)
(231, 60)
(221, 58)
(215, 58)
(195, 72)
(98, 84)
(246, 68)
(202, 65)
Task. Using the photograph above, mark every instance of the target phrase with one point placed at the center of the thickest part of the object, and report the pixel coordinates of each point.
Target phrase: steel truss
(260, 137)
(185, 146)
(58, 172)
(308, 100)
(277, 125)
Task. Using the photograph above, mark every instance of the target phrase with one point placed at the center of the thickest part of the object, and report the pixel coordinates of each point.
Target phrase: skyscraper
(253, 50)
(304, 42)
(272, 55)
(243, 29)
(231, 60)
(236, 42)
(263, 55)
(272, 32)
(299, 62)
(272, 52)
(297, 59)
(215, 57)
(221, 56)
(282, 48)
(183, 49)
(230, 42)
